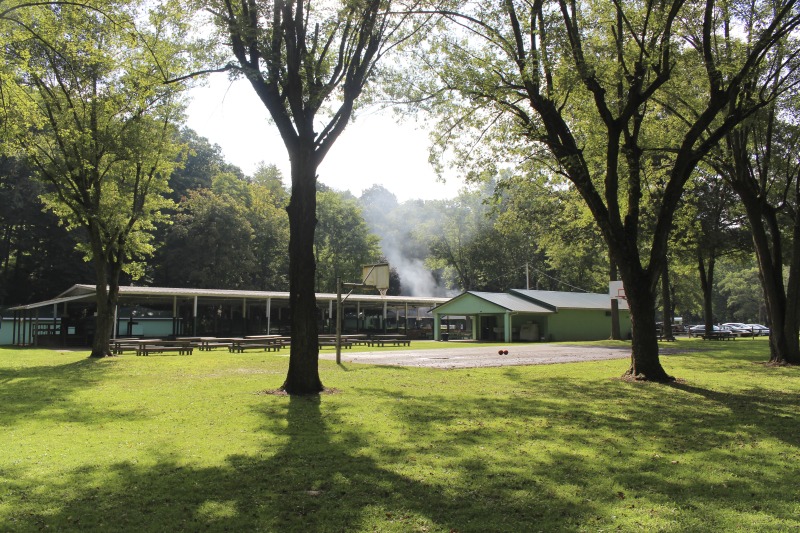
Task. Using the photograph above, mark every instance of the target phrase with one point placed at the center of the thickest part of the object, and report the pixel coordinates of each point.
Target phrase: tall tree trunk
(103, 320)
(792, 324)
(781, 302)
(303, 374)
(645, 363)
(707, 285)
(666, 297)
(641, 296)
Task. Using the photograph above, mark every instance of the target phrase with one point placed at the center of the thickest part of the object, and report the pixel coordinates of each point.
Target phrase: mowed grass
(193, 443)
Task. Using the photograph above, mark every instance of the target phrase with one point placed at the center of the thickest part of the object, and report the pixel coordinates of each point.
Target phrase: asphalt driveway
(482, 356)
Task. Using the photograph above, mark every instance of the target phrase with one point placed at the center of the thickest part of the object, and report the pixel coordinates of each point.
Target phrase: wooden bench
(327, 342)
(267, 345)
(208, 346)
(180, 348)
(391, 342)
(130, 344)
(360, 342)
(120, 348)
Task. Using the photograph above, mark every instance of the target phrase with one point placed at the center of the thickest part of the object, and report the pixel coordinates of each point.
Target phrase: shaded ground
(483, 356)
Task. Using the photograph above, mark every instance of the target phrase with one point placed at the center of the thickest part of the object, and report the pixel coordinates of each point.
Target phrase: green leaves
(100, 122)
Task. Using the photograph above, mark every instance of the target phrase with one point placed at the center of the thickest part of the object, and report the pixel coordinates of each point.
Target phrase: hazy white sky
(372, 150)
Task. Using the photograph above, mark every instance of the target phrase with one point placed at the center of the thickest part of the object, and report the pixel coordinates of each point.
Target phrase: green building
(527, 315)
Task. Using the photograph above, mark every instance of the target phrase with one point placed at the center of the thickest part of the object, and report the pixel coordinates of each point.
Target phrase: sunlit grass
(177, 443)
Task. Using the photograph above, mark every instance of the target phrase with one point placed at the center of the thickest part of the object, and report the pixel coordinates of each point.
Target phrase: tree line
(630, 119)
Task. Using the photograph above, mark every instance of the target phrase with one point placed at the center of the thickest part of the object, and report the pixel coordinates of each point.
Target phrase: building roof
(569, 300)
(512, 302)
(127, 293)
(525, 301)
(489, 302)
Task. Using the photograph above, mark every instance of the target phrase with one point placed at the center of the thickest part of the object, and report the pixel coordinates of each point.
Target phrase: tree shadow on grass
(46, 392)
(324, 477)
(659, 445)
(774, 412)
(549, 453)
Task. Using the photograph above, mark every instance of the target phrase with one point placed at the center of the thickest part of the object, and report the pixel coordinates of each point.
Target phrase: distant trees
(38, 258)
(210, 245)
(229, 236)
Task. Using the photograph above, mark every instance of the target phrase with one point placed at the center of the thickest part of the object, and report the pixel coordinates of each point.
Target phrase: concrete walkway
(482, 356)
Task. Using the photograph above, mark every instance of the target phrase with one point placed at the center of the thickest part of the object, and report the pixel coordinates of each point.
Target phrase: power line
(560, 282)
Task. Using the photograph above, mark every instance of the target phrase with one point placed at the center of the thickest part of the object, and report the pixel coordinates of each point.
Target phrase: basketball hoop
(383, 292)
(616, 291)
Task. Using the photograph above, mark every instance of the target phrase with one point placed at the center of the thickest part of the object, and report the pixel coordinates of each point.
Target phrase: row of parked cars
(736, 328)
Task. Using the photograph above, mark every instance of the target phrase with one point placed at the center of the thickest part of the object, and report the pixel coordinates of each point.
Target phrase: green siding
(584, 325)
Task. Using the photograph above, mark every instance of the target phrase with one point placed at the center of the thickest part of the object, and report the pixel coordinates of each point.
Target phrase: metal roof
(511, 302)
(87, 292)
(54, 301)
(569, 300)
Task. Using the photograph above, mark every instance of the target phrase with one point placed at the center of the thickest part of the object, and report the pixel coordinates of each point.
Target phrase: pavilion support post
(35, 328)
(244, 316)
(194, 316)
(174, 315)
(338, 321)
(269, 315)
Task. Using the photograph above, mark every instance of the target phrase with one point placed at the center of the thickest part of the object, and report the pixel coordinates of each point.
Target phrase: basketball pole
(339, 300)
(338, 320)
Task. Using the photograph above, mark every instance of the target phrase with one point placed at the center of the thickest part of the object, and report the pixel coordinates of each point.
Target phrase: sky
(374, 149)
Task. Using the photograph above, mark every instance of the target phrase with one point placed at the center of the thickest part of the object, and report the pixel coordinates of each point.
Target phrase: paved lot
(482, 356)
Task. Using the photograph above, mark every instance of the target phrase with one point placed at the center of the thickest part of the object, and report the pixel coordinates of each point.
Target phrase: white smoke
(405, 252)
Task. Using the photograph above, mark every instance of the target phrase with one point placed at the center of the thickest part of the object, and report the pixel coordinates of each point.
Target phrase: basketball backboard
(376, 275)
(616, 290)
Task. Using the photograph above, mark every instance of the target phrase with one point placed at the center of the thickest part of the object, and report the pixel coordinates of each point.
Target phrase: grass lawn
(192, 443)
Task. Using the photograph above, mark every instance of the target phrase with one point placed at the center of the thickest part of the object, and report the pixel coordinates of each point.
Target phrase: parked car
(739, 329)
(700, 330)
(758, 329)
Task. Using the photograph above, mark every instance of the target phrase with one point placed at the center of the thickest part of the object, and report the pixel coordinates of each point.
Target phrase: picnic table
(330, 340)
(206, 344)
(148, 346)
(130, 344)
(264, 342)
(357, 339)
(390, 339)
